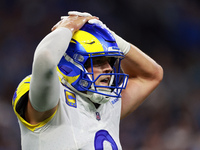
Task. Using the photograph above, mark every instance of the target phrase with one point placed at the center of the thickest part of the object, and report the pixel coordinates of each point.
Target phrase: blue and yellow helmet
(91, 41)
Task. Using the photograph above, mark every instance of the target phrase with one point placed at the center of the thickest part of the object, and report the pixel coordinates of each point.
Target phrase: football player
(84, 79)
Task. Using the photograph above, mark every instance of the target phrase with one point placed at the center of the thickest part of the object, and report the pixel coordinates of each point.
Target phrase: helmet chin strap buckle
(83, 83)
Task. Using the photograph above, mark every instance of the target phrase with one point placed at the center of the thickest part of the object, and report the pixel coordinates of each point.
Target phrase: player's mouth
(105, 81)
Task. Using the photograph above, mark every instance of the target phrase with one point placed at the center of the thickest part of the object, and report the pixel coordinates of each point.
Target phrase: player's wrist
(123, 45)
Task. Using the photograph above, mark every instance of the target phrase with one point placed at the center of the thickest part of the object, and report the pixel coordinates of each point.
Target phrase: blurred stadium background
(167, 30)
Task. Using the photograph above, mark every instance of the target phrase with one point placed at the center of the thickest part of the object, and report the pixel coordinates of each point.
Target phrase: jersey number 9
(100, 137)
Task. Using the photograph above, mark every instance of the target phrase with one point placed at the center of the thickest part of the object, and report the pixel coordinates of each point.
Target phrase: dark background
(166, 30)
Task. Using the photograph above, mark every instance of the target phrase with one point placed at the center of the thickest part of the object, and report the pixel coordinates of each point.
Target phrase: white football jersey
(76, 124)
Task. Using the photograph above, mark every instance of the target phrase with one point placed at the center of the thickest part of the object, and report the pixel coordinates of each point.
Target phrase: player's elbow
(158, 74)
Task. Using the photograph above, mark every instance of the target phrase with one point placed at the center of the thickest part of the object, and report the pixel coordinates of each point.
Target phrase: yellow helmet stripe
(92, 44)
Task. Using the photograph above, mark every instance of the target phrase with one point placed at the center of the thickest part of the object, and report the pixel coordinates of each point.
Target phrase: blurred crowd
(167, 30)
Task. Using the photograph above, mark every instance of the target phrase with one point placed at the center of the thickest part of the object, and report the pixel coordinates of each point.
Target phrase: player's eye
(99, 61)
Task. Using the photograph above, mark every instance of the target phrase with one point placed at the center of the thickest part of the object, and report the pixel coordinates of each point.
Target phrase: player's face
(101, 65)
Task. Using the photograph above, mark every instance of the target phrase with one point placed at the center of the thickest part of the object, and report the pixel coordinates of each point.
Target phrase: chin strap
(98, 98)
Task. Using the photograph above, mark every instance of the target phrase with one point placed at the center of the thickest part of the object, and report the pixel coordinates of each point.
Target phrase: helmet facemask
(109, 77)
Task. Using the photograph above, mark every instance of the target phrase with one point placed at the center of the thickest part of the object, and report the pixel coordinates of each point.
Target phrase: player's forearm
(138, 64)
(53, 46)
(44, 87)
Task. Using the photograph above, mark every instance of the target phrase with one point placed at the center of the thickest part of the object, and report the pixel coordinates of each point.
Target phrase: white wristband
(124, 46)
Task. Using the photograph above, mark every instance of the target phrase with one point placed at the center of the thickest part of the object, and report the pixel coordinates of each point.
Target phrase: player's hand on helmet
(77, 13)
(123, 45)
(73, 22)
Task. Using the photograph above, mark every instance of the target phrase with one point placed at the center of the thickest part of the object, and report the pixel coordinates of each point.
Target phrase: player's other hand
(73, 22)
